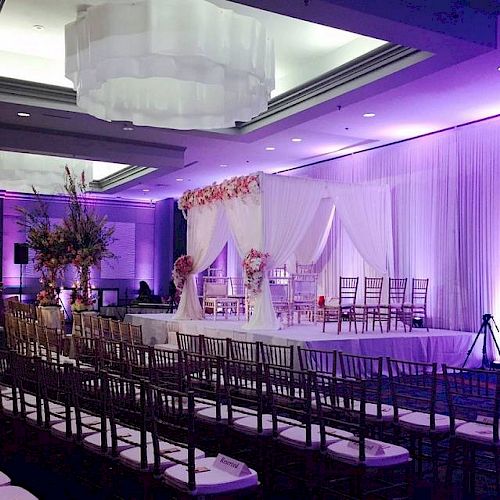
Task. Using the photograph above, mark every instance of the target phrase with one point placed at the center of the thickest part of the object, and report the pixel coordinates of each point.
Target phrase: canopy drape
(207, 233)
(289, 217)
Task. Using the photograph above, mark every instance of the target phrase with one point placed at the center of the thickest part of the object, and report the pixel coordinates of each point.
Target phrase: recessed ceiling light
(270, 148)
(223, 165)
(145, 190)
(179, 179)
(369, 115)
(128, 128)
(498, 69)
(38, 27)
(23, 114)
(296, 139)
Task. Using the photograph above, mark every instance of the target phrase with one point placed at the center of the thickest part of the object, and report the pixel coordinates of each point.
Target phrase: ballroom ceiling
(457, 81)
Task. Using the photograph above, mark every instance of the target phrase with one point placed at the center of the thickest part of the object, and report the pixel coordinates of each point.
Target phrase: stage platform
(441, 346)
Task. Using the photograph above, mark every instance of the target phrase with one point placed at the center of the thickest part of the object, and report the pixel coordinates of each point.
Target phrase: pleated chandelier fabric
(182, 64)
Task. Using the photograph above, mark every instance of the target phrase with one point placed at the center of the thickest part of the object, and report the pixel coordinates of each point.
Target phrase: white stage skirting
(441, 346)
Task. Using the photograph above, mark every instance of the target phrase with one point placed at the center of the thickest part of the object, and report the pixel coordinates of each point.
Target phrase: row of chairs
(146, 427)
(91, 325)
(406, 396)
(396, 309)
(250, 399)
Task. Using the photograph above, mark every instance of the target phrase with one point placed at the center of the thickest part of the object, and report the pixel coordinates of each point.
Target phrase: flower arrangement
(254, 264)
(87, 235)
(235, 187)
(80, 303)
(48, 242)
(183, 266)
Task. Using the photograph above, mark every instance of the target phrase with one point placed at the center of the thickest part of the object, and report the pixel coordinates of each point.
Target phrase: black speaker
(20, 253)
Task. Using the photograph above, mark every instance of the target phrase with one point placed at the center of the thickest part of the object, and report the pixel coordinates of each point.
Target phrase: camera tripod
(485, 329)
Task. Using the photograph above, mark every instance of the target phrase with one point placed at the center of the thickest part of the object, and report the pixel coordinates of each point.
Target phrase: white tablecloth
(50, 316)
(155, 330)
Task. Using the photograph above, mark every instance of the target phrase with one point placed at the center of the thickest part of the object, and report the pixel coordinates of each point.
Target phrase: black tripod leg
(469, 352)
(494, 339)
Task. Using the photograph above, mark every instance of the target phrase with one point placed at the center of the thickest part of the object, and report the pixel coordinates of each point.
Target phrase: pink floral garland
(254, 264)
(183, 267)
(235, 187)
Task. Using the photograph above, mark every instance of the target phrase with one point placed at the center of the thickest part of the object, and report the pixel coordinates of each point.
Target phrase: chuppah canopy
(273, 218)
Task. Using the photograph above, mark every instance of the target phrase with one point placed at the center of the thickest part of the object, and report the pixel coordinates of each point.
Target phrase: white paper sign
(483, 419)
(231, 466)
(372, 446)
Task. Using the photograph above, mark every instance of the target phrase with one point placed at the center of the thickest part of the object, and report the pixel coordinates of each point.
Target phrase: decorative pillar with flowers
(87, 236)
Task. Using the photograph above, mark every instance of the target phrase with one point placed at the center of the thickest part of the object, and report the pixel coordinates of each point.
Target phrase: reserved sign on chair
(231, 466)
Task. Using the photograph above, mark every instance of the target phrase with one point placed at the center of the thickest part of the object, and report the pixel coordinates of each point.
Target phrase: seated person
(145, 294)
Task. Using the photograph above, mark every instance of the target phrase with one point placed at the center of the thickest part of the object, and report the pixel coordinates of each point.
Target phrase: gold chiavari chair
(114, 330)
(95, 326)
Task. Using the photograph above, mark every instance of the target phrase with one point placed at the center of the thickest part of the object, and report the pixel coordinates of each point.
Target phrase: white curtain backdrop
(365, 212)
(445, 213)
(207, 233)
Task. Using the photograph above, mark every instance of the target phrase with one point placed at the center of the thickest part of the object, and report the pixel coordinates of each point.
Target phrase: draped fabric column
(207, 233)
(276, 223)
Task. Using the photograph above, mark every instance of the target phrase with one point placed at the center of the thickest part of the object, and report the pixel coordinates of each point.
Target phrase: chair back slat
(277, 355)
(373, 291)
(348, 291)
(397, 290)
(243, 350)
(317, 360)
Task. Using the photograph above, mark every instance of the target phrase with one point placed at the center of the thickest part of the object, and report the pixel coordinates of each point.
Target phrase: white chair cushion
(15, 493)
(214, 481)
(59, 429)
(8, 404)
(296, 436)
(475, 431)
(57, 414)
(133, 437)
(132, 456)
(5, 389)
(4, 479)
(209, 414)
(422, 422)
(347, 451)
(249, 424)
(387, 411)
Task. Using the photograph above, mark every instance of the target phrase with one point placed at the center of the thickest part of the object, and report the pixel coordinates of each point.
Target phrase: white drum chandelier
(182, 64)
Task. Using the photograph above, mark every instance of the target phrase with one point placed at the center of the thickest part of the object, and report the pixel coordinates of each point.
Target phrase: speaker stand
(20, 282)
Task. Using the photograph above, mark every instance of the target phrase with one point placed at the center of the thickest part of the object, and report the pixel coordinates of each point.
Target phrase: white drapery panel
(311, 247)
(207, 233)
(365, 212)
(275, 224)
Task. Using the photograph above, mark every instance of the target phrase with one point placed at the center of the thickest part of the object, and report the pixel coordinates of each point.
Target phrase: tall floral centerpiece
(87, 235)
(48, 242)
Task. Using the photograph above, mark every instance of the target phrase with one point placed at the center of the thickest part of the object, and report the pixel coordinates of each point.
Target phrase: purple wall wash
(446, 218)
(164, 245)
(140, 234)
